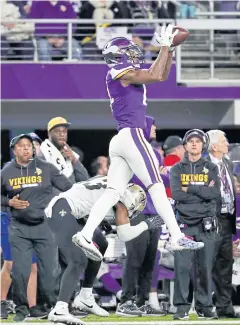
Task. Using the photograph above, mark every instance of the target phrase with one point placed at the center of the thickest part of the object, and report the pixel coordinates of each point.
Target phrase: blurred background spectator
(16, 38)
(159, 147)
(99, 166)
(79, 152)
(188, 9)
(52, 38)
(23, 6)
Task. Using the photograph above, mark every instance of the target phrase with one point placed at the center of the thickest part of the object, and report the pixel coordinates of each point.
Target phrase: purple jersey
(129, 103)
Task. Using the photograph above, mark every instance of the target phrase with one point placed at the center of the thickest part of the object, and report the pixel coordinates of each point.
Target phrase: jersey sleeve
(120, 70)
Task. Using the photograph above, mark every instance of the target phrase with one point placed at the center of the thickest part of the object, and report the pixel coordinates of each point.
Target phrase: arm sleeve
(176, 187)
(207, 192)
(80, 172)
(58, 180)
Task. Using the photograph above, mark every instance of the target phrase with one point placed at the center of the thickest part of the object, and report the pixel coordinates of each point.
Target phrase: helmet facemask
(120, 54)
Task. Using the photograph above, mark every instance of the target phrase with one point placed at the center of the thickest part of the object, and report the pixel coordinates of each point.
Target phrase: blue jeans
(5, 245)
(187, 10)
(46, 51)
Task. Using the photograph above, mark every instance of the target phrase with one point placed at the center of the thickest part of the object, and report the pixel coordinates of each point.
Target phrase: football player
(129, 151)
(66, 213)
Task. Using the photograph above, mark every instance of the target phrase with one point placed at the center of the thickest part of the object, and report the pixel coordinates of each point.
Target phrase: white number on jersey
(96, 183)
(111, 99)
(144, 95)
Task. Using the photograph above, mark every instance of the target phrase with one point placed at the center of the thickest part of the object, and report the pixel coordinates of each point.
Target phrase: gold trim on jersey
(123, 73)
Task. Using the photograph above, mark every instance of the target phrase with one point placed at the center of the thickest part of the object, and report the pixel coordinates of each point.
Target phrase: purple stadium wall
(87, 81)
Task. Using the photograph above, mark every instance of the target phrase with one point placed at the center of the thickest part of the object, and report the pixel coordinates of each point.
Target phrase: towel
(55, 157)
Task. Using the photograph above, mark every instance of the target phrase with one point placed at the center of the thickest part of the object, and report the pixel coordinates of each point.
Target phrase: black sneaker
(154, 222)
(128, 309)
(229, 315)
(77, 312)
(147, 310)
(37, 313)
(10, 307)
(19, 317)
(181, 316)
(207, 314)
(4, 312)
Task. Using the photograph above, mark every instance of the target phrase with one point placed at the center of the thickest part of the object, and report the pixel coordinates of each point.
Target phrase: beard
(57, 145)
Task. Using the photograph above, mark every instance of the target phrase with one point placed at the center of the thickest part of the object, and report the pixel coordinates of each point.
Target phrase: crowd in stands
(46, 42)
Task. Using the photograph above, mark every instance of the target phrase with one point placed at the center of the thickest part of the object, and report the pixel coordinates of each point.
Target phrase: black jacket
(34, 184)
(200, 199)
(229, 165)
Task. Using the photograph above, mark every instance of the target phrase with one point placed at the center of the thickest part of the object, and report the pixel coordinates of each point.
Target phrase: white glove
(167, 35)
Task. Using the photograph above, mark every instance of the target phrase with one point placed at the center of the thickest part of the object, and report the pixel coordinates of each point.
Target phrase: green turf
(113, 317)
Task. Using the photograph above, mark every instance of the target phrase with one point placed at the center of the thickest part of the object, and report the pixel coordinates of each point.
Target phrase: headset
(204, 136)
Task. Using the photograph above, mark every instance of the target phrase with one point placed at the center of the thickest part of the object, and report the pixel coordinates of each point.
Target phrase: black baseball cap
(171, 142)
(15, 140)
(35, 137)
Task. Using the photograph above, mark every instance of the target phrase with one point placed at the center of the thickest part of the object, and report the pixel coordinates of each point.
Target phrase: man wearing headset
(26, 184)
(6, 280)
(195, 186)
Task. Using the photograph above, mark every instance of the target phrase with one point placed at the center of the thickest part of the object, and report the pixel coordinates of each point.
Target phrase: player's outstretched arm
(161, 66)
(168, 66)
(121, 214)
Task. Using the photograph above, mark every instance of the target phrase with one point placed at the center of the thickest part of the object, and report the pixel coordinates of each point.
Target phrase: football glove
(167, 35)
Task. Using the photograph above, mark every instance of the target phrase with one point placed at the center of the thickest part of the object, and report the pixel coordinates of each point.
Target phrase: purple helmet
(122, 50)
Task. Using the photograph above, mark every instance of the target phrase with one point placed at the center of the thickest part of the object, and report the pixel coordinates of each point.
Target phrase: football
(181, 36)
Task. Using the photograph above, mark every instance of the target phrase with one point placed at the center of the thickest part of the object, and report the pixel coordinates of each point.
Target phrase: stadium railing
(211, 53)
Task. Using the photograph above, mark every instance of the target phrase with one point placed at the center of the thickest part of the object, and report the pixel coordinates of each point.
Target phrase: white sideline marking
(146, 322)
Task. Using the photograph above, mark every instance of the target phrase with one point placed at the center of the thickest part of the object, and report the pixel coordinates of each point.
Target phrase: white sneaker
(89, 249)
(60, 314)
(185, 243)
(89, 304)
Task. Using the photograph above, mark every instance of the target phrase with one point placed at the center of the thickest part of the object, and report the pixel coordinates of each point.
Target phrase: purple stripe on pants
(150, 155)
(150, 167)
